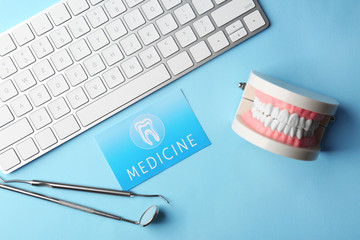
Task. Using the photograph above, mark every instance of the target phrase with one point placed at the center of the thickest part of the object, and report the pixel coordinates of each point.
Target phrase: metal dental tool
(38, 183)
(146, 218)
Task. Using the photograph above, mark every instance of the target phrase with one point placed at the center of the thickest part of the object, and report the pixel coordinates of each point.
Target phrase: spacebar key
(122, 95)
(14, 133)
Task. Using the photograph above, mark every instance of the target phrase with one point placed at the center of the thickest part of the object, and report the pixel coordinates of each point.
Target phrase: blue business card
(152, 140)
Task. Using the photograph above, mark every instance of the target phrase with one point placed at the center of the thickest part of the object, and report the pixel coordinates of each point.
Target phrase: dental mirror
(149, 216)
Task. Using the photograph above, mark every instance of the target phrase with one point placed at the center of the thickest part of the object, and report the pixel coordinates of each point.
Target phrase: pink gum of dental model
(259, 127)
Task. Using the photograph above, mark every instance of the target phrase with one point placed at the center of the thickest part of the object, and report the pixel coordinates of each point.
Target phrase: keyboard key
(77, 98)
(5, 115)
(40, 118)
(166, 24)
(43, 70)
(42, 47)
(60, 37)
(66, 127)
(131, 67)
(94, 65)
(95, 87)
(7, 67)
(149, 57)
(200, 51)
(80, 50)
(27, 149)
(98, 39)
(8, 160)
(130, 44)
(21, 105)
(24, 80)
(78, 6)
(7, 90)
(123, 95)
(94, 2)
(234, 27)
(167, 46)
(97, 17)
(220, 1)
(24, 57)
(115, 7)
(46, 138)
(113, 77)
(58, 108)
(79, 27)
(112, 54)
(231, 10)
(133, 3)
(6, 44)
(134, 19)
(14, 133)
(59, 14)
(61, 60)
(149, 34)
(76, 75)
(116, 29)
(169, 4)
(39, 95)
(202, 6)
(152, 9)
(254, 21)
(23, 34)
(218, 41)
(184, 14)
(180, 63)
(203, 26)
(41, 24)
(57, 85)
(185, 36)
(238, 35)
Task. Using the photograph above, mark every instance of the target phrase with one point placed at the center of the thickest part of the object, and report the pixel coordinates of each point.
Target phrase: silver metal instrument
(38, 183)
(146, 218)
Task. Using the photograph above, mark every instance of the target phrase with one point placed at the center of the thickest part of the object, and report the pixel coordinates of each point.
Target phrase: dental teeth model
(283, 118)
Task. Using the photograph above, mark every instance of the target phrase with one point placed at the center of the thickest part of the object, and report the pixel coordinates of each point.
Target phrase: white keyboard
(81, 61)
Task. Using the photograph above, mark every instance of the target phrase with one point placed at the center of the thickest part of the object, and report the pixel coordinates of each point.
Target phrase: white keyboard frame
(135, 99)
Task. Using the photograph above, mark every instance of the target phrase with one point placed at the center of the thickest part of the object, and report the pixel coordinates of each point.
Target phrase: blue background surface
(231, 189)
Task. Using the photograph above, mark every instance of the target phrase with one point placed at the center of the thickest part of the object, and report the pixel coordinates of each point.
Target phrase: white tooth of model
(293, 131)
(286, 129)
(308, 124)
(293, 120)
(299, 133)
(274, 124)
(311, 133)
(268, 121)
(283, 118)
(301, 123)
(275, 112)
(262, 107)
(262, 118)
(268, 109)
(314, 125)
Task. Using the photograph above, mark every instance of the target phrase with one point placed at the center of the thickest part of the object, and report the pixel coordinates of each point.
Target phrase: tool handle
(32, 194)
(88, 209)
(80, 188)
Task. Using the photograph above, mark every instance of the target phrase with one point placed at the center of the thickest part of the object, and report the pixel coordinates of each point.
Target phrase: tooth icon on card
(147, 131)
(145, 128)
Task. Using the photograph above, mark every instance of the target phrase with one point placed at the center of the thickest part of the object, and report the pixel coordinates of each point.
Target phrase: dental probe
(38, 183)
(146, 218)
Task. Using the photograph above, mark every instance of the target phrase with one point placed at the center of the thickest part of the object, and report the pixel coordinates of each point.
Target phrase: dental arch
(282, 121)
